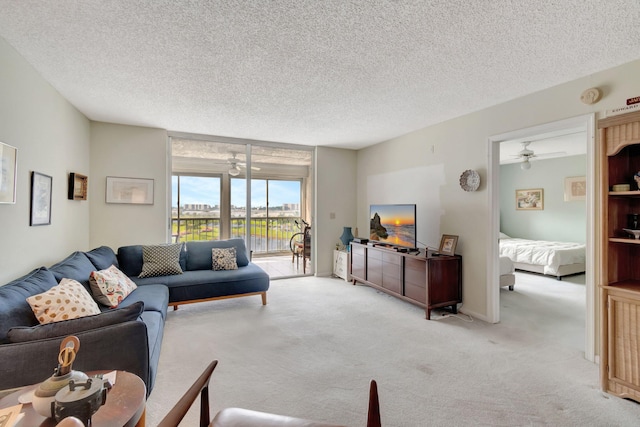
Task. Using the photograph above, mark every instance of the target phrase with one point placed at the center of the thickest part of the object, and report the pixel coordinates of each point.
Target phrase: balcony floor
(280, 266)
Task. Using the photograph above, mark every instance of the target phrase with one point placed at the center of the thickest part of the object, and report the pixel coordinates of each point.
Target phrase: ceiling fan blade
(552, 154)
(244, 165)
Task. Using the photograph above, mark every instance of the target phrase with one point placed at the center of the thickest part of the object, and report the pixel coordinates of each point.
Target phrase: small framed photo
(575, 188)
(448, 244)
(41, 189)
(8, 168)
(530, 200)
(137, 191)
(77, 187)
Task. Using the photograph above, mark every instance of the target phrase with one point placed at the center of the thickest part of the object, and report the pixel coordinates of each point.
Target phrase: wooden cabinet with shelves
(619, 278)
(428, 281)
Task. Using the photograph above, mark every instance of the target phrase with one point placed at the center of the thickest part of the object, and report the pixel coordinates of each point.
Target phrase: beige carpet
(313, 349)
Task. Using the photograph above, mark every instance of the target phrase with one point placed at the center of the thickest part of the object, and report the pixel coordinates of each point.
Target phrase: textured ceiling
(333, 72)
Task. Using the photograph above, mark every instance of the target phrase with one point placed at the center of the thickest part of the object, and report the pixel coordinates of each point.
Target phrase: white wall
(52, 138)
(559, 220)
(132, 152)
(462, 143)
(335, 203)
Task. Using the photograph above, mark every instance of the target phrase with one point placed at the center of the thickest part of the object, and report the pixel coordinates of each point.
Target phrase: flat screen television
(393, 224)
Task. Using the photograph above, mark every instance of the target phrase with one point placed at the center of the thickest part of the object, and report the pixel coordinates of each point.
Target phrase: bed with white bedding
(540, 256)
(507, 278)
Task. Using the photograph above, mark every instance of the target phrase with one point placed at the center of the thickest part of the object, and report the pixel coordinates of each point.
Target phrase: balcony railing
(268, 235)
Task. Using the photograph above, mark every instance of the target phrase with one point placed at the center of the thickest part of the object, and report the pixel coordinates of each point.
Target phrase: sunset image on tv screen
(393, 224)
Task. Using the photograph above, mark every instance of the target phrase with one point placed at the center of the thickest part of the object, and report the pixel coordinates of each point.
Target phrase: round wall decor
(469, 180)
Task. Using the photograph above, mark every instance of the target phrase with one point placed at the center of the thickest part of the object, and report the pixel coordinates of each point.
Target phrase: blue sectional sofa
(128, 337)
(198, 282)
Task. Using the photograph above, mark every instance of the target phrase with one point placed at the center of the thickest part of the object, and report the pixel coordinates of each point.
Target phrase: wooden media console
(428, 280)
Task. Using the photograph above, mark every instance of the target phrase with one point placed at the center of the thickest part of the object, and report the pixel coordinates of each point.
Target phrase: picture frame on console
(41, 189)
(137, 191)
(448, 244)
(8, 167)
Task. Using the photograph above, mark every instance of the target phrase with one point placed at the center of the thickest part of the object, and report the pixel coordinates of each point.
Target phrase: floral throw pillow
(161, 260)
(110, 286)
(67, 300)
(224, 259)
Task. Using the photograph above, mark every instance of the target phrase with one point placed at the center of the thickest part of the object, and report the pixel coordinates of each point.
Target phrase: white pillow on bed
(504, 236)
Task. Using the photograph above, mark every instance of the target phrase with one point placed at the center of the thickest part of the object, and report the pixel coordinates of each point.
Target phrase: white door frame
(493, 272)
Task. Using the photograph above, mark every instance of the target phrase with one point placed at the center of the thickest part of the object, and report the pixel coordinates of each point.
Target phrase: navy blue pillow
(131, 260)
(76, 266)
(199, 256)
(74, 326)
(102, 257)
(14, 308)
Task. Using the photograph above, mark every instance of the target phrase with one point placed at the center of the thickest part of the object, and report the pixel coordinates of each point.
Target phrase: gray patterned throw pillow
(224, 259)
(161, 260)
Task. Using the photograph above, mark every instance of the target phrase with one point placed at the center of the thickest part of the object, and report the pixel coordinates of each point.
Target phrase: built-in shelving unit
(620, 254)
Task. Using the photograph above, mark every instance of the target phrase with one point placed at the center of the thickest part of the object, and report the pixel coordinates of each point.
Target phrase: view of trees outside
(275, 205)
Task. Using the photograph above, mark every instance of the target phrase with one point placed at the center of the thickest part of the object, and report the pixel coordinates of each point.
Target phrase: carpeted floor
(313, 349)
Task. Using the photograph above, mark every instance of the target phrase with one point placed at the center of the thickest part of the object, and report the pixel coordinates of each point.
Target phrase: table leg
(141, 422)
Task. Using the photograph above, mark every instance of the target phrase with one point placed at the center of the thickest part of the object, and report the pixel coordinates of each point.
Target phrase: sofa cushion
(161, 260)
(74, 326)
(204, 284)
(67, 300)
(155, 332)
(110, 286)
(76, 266)
(102, 257)
(154, 296)
(199, 253)
(130, 260)
(14, 308)
(224, 259)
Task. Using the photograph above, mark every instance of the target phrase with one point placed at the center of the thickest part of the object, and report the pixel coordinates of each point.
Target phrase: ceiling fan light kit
(526, 155)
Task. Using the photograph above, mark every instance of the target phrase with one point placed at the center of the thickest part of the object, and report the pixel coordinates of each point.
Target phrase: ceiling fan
(526, 154)
(234, 162)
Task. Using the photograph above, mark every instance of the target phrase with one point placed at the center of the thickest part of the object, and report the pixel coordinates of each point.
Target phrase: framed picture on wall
(137, 191)
(77, 187)
(41, 189)
(575, 188)
(8, 168)
(530, 199)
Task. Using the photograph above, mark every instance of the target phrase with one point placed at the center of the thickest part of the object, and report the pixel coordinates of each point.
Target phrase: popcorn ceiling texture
(331, 72)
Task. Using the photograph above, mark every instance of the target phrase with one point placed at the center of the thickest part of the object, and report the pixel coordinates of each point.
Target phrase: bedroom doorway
(584, 126)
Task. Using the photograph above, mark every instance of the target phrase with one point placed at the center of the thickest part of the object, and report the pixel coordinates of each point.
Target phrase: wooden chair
(201, 387)
(303, 250)
(237, 417)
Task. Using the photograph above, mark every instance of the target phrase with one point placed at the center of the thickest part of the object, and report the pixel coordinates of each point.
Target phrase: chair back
(199, 387)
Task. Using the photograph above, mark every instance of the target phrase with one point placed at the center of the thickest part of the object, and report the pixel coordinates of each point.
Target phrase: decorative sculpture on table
(67, 392)
(45, 395)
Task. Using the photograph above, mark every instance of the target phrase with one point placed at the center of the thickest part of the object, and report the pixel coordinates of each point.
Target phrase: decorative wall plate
(469, 180)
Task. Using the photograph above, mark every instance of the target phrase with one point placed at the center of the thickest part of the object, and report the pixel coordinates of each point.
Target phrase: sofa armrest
(122, 346)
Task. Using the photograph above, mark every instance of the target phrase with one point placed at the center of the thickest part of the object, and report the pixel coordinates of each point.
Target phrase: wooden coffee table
(125, 404)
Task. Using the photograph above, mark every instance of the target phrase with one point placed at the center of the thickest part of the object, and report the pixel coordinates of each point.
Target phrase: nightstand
(341, 265)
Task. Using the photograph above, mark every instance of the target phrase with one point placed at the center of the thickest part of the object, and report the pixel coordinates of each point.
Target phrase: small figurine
(636, 178)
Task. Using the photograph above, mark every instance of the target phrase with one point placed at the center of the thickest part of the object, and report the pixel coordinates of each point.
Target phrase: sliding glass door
(275, 208)
(195, 208)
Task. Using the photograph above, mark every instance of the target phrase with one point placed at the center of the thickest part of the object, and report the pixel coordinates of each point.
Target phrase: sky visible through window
(206, 190)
